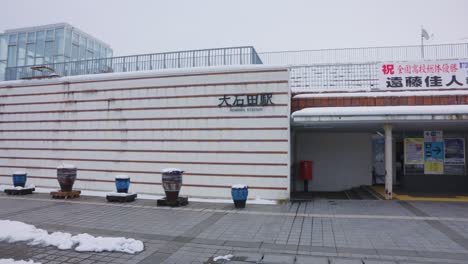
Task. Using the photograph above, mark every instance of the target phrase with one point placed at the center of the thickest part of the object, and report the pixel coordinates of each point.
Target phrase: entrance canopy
(402, 117)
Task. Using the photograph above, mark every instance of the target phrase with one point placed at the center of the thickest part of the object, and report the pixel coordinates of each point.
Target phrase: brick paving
(319, 231)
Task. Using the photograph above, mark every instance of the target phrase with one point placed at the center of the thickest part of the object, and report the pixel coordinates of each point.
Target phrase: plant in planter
(239, 194)
(122, 183)
(19, 178)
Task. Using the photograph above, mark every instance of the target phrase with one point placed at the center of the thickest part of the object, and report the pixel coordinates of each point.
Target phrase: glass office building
(48, 44)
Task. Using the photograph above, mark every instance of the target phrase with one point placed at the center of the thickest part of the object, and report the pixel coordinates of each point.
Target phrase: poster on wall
(414, 151)
(433, 146)
(454, 151)
(434, 167)
(454, 156)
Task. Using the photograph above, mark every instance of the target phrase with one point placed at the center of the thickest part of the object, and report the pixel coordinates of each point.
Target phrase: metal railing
(364, 55)
(352, 69)
(310, 70)
(156, 61)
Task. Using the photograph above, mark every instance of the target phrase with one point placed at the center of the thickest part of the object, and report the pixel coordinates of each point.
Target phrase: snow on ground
(257, 200)
(12, 261)
(14, 231)
(226, 257)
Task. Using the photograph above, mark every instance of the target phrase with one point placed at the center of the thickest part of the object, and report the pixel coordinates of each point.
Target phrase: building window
(12, 39)
(59, 41)
(31, 37)
(11, 56)
(50, 34)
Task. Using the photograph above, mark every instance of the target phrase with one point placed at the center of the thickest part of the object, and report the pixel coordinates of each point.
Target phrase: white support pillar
(388, 161)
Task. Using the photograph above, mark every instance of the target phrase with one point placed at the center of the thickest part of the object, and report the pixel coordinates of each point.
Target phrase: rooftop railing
(353, 68)
(156, 61)
(365, 55)
(310, 70)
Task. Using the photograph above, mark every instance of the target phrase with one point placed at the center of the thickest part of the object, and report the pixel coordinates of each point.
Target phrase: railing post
(193, 58)
(151, 61)
(224, 57)
(178, 59)
(240, 53)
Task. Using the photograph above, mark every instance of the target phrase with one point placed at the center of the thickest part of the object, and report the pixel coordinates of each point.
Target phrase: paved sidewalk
(320, 231)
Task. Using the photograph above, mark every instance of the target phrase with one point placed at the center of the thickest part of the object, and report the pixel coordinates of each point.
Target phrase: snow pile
(122, 177)
(239, 186)
(12, 261)
(14, 231)
(87, 242)
(66, 166)
(227, 257)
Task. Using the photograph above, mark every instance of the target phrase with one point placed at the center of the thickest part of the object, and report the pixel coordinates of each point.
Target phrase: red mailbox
(306, 170)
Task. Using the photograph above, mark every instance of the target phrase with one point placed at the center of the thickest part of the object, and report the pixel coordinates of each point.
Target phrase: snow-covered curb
(12, 261)
(157, 197)
(14, 231)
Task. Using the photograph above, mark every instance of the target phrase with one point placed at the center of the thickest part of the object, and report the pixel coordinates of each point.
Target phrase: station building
(228, 116)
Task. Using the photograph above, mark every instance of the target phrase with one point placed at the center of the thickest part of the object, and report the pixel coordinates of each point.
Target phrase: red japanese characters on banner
(426, 74)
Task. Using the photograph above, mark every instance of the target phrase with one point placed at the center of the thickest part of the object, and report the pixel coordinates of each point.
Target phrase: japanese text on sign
(445, 74)
(246, 100)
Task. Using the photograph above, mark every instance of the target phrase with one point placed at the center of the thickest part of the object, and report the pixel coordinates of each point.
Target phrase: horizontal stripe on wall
(154, 183)
(144, 119)
(127, 109)
(143, 78)
(145, 129)
(140, 140)
(154, 172)
(150, 161)
(94, 91)
(134, 99)
(155, 150)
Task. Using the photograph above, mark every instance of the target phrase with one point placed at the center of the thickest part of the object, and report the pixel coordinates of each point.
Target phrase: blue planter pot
(19, 179)
(122, 185)
(239, 195)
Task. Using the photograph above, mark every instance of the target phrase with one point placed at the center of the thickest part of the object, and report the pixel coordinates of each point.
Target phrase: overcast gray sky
(148, 26)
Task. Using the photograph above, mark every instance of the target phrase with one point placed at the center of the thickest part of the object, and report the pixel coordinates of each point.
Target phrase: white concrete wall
(340, 160)
(108, 124)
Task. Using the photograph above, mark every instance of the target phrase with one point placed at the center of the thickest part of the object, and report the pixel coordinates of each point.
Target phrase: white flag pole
(422, 42)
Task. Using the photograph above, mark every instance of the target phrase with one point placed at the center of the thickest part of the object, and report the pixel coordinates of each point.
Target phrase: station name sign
(424, 75)
(246, 102)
